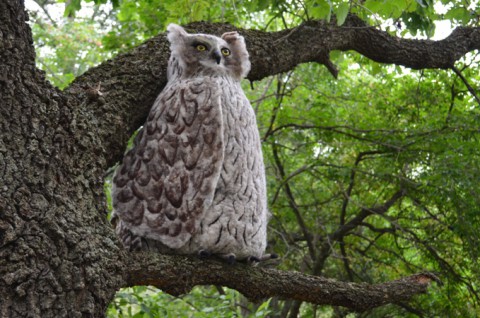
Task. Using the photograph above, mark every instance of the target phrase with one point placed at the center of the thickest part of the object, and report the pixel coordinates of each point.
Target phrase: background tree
(372, 175)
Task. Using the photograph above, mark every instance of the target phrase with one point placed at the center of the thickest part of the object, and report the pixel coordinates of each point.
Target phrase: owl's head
(197, 54)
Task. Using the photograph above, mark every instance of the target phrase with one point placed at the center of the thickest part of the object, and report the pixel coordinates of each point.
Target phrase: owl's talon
(253, 259)
(267, 257)
(229, 258)
(203, 254)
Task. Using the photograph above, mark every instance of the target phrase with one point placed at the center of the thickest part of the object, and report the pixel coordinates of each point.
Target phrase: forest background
(377, 135)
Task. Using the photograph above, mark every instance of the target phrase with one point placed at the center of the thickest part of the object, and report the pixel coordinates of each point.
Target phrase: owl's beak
(217, 56)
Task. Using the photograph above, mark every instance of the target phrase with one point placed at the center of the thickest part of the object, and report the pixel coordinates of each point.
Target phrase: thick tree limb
(177, 275)
(131, 81)
(312, 41)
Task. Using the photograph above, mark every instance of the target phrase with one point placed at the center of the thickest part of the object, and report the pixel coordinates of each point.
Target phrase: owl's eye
(225, 52)
(200, 47)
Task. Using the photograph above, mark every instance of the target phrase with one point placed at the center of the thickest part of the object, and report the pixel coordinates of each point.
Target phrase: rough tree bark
(59, 256)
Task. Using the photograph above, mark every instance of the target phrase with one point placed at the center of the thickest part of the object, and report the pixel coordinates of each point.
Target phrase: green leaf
(321, 10)
(374, 6)
(72, 7)
(342, 12)
(459, 14)
(422, 3)
(208, 309)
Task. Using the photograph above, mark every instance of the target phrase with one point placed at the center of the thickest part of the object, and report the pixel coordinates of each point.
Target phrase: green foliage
(339, 146)
(354, 141)
(67, 47)
(71, 44)
(201, 302)
(319, 9)
(342, 12)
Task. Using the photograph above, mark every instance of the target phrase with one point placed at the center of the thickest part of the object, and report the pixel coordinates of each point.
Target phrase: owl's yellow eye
(225, 52)
(201, 47)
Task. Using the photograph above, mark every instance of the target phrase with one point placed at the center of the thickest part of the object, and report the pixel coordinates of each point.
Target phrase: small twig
(464, 80)
(293, 205)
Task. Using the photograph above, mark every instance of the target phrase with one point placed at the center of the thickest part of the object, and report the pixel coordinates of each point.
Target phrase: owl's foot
(266, 257)
(229, 258)
(204, 254)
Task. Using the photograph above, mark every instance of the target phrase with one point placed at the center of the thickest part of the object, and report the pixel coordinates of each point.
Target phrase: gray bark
(57, 251)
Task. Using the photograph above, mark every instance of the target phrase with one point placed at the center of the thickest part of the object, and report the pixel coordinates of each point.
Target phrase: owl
(194, 181)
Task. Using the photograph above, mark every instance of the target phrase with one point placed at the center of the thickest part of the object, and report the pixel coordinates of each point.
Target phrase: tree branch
(178, 274)
(365, 212)
(465, 81)
(131, 81)
(381, 47)
(293, 205)
(346, 228)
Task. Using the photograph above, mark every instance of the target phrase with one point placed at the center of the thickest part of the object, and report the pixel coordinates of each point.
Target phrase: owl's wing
(168, 179)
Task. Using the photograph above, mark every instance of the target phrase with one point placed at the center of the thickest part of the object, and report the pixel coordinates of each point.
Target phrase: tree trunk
(59, 256)
(57, 251)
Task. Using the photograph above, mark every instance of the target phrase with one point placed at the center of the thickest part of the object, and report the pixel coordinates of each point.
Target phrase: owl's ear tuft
(231, 37)
(175, 32)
